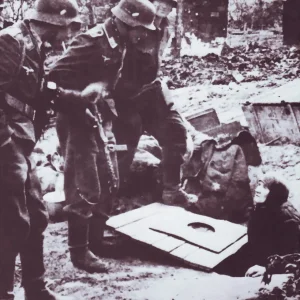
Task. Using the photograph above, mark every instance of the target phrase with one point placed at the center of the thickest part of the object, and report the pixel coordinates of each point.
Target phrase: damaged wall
(291, 22)
(207, 19)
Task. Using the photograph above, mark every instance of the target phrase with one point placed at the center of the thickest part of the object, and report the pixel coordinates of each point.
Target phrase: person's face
(163, 7)
(261, 192)
(138, 36)
(63, 35)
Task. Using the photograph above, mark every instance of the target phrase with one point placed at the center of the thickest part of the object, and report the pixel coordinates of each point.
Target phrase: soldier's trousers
(85, 167)
(23, 217)
(152, 111)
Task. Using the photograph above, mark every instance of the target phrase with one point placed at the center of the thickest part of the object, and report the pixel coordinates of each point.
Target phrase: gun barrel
(103, 142)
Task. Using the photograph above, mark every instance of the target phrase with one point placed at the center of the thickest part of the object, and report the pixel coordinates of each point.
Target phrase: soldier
(94, 56)
(163, 9)
(144, 103)
(23, 217)
(3, 22)
(1, 11)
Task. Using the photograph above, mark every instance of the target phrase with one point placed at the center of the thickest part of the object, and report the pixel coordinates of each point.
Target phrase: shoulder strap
(14, 32)
(22, 58)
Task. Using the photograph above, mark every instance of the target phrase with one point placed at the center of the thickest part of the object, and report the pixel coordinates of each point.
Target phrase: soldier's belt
(20, 106)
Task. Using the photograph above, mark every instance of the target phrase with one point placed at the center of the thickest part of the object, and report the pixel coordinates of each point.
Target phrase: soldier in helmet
(23, 217)
(3, 22)
(1, 11)
(163, 9)
(94, 56)
(144, 104)
(109, 53)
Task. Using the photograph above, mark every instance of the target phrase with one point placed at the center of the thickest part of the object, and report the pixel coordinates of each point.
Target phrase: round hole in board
(201, 227)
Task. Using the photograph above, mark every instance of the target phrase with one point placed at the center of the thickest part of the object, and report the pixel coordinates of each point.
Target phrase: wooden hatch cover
(201, 241)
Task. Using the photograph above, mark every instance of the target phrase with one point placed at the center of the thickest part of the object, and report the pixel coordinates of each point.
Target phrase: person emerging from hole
(273, 226)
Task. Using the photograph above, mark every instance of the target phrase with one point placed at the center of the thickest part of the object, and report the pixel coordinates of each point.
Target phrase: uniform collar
(112, 33)
(32, 40)
(36, 37)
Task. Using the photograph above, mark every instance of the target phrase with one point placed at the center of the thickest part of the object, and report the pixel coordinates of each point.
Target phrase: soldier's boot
(96, 234)
(81, 257)
(7, 272)
(38, 290)
(33, 270)
(173, 193)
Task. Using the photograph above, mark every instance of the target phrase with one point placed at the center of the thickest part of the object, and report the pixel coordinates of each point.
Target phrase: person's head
(2, 5)
(134, 19)
(271, 190)
(56, 20)
(164, 7)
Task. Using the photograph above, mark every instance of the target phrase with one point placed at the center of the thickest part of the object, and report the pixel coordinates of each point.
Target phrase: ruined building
(291, 22)
(207, 19)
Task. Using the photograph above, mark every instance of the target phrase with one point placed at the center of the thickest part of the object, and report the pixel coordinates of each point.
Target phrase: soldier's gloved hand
(63, 100)
(94, 92)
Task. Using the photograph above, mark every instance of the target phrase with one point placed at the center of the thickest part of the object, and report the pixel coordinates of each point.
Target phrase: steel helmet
(172, 2)
(135, 13)
(55, 12)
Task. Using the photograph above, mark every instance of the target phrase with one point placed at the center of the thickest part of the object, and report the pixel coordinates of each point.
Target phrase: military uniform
(23, 113)
(144, 104)
(94, 56)
(141, 101)
(81, 65)
(23, 217)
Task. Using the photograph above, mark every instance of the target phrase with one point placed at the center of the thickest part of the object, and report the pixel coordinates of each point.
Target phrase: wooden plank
(289, 92)
(184, 250)
(140, 230)
(149, 238)
(138, 226)
(168, 244)
(209, 260)
(277, 121)
(253, 122)
(135, 215)
(224, 233)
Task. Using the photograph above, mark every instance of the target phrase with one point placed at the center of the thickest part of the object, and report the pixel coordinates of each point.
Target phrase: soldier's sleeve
(10, 61)
(81, 64)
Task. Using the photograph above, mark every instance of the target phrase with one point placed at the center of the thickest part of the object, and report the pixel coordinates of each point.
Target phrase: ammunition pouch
(39, 116)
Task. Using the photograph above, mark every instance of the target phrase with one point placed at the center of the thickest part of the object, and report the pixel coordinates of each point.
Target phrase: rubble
(245, 63)
(289, 290)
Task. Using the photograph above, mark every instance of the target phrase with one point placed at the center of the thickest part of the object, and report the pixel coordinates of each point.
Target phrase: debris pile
(290, 290)
(242, 64)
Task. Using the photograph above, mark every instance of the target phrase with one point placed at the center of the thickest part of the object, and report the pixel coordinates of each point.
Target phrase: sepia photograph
(149, 149)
